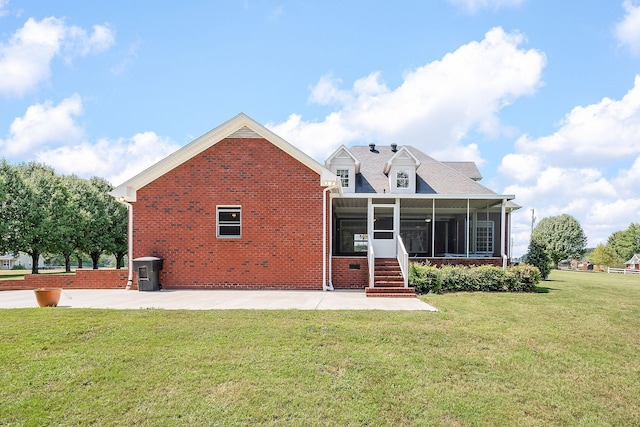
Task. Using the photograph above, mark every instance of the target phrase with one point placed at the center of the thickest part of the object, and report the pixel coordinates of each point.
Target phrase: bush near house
(449, 278)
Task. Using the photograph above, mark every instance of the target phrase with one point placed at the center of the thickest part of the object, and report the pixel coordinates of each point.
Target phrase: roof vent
(372, 147)
(394, 147)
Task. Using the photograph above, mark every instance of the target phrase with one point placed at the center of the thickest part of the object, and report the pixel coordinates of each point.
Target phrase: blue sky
(541, 94)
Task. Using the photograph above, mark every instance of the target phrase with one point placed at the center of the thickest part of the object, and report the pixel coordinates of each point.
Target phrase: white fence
(622, 271)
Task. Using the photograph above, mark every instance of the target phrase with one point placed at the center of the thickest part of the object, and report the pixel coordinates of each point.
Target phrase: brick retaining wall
(81, 279)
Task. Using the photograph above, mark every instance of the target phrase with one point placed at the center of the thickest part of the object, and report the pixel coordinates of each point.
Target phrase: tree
(538, 257)
(626, 243)
(604, 255)
(120, 235)
(563, 237)
(31, 209)
(107, 226)
(74, 219)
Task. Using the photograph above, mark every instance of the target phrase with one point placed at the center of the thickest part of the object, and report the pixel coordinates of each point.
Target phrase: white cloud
(472, 6)
(49, 134)
(627, 31)
(43, 125)
(113, 159)
(80, 43)
(588, 168)
(435, 107)
(587, 134)
(25, 60)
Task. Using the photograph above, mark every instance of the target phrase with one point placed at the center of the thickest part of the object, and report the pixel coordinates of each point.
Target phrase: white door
(382, 225)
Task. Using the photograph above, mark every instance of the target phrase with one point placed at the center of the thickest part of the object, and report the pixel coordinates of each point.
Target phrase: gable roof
(343, 153)
(401, 154)
(240, 126)
(635, 259)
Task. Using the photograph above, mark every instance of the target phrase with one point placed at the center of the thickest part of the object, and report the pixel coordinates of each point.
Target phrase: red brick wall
(281, 199)
(82, 279)
(345, 276)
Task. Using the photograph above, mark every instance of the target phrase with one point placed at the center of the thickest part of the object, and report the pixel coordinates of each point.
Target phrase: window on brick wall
(229, 223)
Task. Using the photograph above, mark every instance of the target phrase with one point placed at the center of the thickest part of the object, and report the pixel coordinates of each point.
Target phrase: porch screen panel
(352, 236)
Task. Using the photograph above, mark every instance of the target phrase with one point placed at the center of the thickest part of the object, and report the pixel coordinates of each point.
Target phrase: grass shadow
(544, 289)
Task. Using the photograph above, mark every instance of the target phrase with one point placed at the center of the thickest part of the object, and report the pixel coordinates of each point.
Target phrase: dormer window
(343, 174)
(401, 171)
(346, 167)
(402, 179)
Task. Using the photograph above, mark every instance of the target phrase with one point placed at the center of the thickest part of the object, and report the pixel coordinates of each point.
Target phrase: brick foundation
(350, 273)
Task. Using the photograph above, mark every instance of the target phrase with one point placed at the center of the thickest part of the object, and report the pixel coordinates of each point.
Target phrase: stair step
(394, 285)
(391, 292)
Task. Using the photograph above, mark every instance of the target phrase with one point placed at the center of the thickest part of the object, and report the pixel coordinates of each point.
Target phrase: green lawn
(565, 357)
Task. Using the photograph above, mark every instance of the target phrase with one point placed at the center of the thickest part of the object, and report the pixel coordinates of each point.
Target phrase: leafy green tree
(626, 243)
(106, 229)
(32, 209)
(563, 237)
(74, 219)
(120, 224)
(604, 255)
(539, 257)
(13, 191)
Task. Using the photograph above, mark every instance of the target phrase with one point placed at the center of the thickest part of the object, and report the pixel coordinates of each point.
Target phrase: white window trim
(227, 208)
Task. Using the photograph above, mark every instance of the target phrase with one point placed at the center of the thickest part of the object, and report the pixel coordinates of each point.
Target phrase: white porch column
(433, 228)
(503, 227)
(468, 230)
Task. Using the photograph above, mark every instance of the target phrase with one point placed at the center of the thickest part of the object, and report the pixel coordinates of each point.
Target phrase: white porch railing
(371, 260)
(403, 260)
(622, 270)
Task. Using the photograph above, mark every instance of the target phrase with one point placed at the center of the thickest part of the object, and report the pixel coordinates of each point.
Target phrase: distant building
(9, 261)
(633, 263)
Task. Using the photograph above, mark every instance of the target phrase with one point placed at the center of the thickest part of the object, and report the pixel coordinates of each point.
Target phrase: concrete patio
(216, 300)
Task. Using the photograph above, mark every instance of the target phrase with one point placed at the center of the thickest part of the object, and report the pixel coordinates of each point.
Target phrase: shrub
(424, 278)
(486, 278)
(18, 267)
(526, 277)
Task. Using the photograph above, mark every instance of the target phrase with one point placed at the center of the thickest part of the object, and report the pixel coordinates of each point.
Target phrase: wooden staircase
(388, 281)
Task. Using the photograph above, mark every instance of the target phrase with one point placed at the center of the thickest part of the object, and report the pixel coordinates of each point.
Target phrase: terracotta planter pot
(48, 297)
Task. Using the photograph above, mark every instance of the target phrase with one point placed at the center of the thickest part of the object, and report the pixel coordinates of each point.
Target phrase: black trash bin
(148, 269)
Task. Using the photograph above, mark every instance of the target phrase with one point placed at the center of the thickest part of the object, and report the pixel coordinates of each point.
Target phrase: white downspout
(329, 280)
(129, 240)
(326, 285)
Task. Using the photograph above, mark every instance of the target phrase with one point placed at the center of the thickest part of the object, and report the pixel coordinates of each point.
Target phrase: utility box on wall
(148, 269)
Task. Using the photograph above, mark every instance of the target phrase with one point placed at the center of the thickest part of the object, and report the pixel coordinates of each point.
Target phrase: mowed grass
(565, 357)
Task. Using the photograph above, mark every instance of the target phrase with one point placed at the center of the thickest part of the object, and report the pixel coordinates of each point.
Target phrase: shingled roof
(433, 176)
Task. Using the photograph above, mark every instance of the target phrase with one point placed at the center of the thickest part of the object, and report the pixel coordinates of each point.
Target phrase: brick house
(241, 208)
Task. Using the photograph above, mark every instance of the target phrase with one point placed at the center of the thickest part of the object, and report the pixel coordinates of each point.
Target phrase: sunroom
(438, 228)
